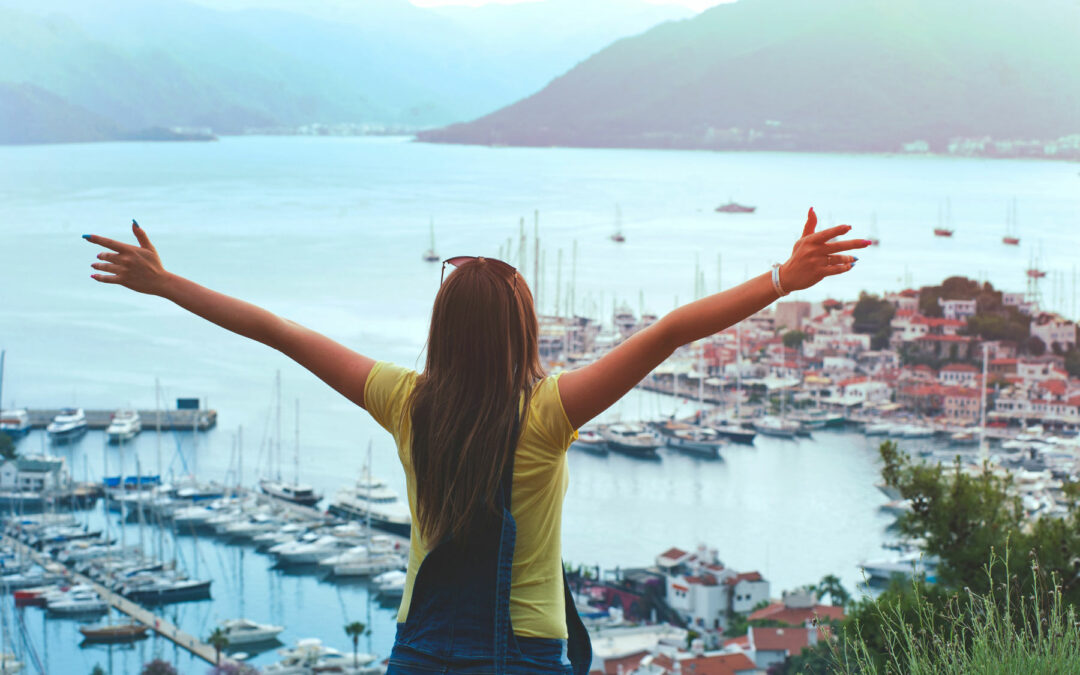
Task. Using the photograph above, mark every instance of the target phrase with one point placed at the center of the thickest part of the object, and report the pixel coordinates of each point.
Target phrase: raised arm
(588, 391)
(139, 268)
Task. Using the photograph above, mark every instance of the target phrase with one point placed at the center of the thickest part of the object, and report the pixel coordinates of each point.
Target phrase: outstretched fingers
(845, 245)
(106, 278)
(831, 233)
(117, 246)
(830, 270)
(811, 223)
(140, 235)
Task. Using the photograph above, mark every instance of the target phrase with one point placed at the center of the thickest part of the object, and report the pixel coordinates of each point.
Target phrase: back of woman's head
(482, 360)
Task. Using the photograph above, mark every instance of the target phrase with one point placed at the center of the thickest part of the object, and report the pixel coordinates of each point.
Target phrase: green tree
(830, 585)
(231, 668)
(98, 670)
(1035, 346)
(793, 339)
(218, 640)
(873, 315)
(1072, 362)
(354, 630)
(7, 447)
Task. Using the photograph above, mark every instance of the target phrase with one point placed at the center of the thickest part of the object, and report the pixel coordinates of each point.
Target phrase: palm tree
(355, 630)
(830, 585)
(218, 640)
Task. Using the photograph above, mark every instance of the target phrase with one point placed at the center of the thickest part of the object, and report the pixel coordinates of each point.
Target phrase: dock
(159, 625)
(171, 420)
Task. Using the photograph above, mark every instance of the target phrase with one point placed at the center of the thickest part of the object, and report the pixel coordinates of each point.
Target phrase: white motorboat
(192, 517)
(124, 426)
(68, 425)
(631, 439)
(15, 423)
(591, 441)
(247, 528)
(390, 584)
(733, 430)
(370, 498)
(880, 429)
(246, 631)
(917, 431)
(774, 426)
(297, 493)
(308, 552)
(372, 566)
(9, 664)
(301, 659)
(905, 566)
(77, 602)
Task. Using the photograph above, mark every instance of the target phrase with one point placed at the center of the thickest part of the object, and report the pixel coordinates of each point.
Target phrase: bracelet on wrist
(776, 281)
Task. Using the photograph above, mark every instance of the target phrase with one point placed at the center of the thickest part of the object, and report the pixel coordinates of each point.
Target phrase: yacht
(296, 493)
(631, 439)
(68, 425)
(733, 207)
(699, 441)
(15, 423)
(390, 584)
(370, 498)
(124, 632)
(124, 426)
(245, 631)
(9, 664)
(591, 441)
(733, 431)
(879, 429)
(304, 552)
(905, 566)
(163, 588)
(774, 426)
(81, 601)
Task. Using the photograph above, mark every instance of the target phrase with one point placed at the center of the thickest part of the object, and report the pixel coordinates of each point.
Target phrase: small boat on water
(697, 441)
(733, 207)
(879, 429)
(246, 631)
(430, 255)
(631, 439)
(9, 664)
(127, 632)
(390, 584)
(942, 232)
(15, 423)
(617, 235)
(370, 499)
(124, 426)
(68, 425)
(779, 428)
(1011, 238)
(297, 493)
(591, 441)
(733, 431)
(77, 602)
(964, 438)
(904, 567)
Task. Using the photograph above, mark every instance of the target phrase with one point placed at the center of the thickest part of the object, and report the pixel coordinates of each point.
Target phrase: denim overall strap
(460, 606)
(504, 631)
(578, 644)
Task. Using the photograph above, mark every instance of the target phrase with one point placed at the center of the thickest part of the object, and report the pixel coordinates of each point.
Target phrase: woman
(482, 436)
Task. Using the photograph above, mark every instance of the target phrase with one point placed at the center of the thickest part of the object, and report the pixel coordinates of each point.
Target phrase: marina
(168, 420)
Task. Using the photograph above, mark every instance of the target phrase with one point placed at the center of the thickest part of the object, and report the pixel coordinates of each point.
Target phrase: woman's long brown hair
(482, 362)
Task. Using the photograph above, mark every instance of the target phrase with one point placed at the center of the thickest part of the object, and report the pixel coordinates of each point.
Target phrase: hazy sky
(693, 4)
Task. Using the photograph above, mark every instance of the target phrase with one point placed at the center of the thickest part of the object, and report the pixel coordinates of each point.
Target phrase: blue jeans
(539, 656)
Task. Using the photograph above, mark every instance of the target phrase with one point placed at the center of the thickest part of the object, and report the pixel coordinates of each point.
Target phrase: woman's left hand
(136, 267)
(815, 256)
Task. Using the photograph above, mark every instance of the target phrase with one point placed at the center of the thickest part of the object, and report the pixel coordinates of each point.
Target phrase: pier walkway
(179, 420)
(161, 626)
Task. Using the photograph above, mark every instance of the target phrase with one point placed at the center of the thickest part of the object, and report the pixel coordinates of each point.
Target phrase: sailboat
(941, 230)
(873, 238)
(1010, 237)
(430, 255)
(617, 235)
(293, 492)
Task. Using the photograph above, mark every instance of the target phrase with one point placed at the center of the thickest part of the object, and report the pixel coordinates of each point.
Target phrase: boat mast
(738, 368)
(277, 420)
(296, 452)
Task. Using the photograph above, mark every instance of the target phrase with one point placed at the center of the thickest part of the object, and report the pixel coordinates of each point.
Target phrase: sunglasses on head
(508, 270)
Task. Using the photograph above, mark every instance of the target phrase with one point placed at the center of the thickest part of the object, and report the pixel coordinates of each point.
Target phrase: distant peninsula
(954, 77)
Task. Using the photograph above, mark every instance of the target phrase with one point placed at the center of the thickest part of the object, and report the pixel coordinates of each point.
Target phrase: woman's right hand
(136, 267)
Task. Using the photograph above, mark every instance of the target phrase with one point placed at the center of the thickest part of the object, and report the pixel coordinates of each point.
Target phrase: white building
(704, 592)
(33, 473)
(957, 309)
(1053, 329)
(958, 374)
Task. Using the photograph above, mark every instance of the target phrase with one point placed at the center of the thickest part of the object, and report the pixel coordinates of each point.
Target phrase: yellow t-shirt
(540, 481)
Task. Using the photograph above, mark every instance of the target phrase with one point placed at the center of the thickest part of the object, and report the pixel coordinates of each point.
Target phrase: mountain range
(72, 70)
(837, 75)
